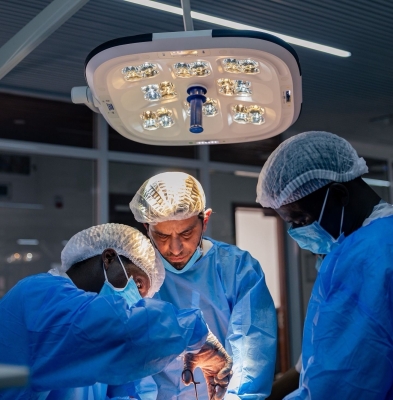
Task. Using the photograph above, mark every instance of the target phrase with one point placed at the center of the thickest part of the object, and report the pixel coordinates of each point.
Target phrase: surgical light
(194, 87)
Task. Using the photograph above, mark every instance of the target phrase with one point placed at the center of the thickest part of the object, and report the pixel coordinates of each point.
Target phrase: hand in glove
(215, 364)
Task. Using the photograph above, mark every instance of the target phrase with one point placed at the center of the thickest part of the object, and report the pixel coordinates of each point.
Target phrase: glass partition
(44, 200)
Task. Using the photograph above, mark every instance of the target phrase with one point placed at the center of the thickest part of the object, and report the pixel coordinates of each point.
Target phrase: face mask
(130, 292)
(195, 257)
(314, 238)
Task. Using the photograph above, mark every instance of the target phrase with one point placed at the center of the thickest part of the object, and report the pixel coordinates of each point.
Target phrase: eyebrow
(189, 228)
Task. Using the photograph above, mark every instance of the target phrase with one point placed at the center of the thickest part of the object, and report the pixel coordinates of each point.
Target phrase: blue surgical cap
(303, 164)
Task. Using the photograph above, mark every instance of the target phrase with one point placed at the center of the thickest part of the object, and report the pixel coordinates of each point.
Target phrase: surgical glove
(215, 364)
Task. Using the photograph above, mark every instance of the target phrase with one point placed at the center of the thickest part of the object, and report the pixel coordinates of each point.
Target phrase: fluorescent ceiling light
(28, 242)
(235, 25)
(376, 182)
(247, 174)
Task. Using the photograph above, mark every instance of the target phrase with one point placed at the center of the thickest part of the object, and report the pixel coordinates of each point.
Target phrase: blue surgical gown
(348, 333)
(228, 285)
(73, 339)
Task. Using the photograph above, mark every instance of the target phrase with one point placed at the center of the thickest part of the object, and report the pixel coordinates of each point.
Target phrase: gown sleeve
(252, 332)
(76, 338)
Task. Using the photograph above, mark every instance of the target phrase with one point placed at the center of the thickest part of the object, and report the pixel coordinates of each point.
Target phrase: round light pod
(255, 115)
(164, 117)
(167, 90)
(242, 88)
(149, 119)
(210, 107)
(148, 69)
(240, 114)
(226, 86)
(231, 65)
(199, 68)
(151, 92)
(182, 70)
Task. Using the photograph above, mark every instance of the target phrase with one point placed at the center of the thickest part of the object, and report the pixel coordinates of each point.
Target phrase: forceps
(195, 384)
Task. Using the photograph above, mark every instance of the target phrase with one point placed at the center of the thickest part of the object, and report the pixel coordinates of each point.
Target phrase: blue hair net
(303, 164)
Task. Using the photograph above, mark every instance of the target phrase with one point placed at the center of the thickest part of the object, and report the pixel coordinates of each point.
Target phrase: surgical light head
(199, 78)
(168, 196)
(305, 163)
(127, 242)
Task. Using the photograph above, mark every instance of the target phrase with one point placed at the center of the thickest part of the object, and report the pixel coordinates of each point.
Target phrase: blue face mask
(195, 257)
(314, 238)
(130, 292)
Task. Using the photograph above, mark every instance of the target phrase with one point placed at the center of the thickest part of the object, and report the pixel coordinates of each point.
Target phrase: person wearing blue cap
(313, 181)
(225, 282)
(86, 332)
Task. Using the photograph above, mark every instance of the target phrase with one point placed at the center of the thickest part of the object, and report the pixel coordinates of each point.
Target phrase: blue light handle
(196, 99)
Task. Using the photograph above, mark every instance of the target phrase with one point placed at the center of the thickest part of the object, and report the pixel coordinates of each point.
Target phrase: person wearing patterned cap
(226, 283)
(313, 181)
(84, 329)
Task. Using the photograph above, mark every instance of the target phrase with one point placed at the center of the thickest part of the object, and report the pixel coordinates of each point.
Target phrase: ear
(341, 193)
(108, 256)
(147, 228)
(208, 213)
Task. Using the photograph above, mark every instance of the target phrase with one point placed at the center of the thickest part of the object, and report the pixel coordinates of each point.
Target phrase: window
(47, 202)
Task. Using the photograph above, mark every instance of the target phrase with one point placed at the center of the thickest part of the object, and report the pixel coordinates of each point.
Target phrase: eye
(298, 224)
(187, 233)
(139, 284)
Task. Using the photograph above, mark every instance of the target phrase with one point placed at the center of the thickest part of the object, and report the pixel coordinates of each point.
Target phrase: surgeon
(226, 283)
(313, 181)
(85, 331)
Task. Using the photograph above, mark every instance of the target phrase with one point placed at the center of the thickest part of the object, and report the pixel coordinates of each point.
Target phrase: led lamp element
(167, 90)
(154, 120)
(149, 119)
(255, 115)
(182, 70)
(188, 70)
(165, 117)
(151, 92)
(148, 70)
(234, 66)
(210, 108)
(199, 68)
(240, 114)
(134, 73)
(131, 73)
(248, 115)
